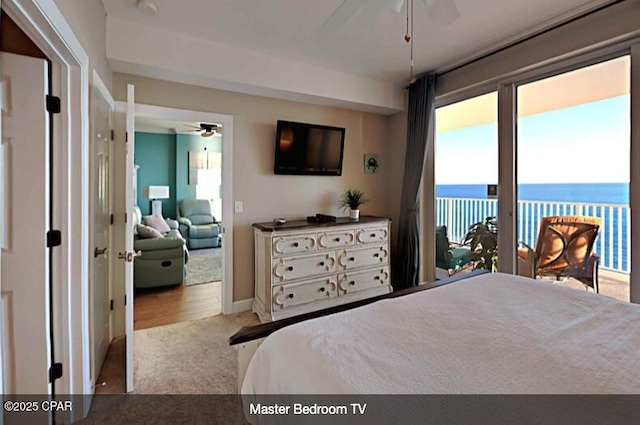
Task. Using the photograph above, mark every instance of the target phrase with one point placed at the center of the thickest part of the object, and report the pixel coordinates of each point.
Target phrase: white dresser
(302, 267)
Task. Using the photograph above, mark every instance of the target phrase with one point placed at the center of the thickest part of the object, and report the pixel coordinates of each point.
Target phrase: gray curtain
(420, 119)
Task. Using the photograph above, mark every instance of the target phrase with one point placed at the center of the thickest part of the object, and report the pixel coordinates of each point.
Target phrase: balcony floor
(612, 284)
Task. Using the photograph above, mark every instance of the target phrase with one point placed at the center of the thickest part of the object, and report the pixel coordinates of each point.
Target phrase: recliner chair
(198, 225)
(162, 261)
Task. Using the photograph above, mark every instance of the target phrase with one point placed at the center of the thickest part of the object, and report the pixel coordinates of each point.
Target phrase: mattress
(489, 334)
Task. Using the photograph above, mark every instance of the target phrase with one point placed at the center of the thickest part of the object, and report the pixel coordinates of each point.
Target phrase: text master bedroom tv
(308, 149)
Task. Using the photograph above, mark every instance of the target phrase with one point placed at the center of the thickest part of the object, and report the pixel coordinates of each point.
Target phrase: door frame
(174, 114)
(99, 85)
(43, 22)
(506, 86)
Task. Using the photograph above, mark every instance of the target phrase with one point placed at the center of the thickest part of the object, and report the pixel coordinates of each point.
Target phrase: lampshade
(156, 192)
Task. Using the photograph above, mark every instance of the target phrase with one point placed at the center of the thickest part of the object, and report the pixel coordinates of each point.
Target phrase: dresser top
(303, 224)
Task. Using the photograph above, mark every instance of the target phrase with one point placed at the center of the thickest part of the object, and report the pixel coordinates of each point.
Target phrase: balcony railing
(613, 244)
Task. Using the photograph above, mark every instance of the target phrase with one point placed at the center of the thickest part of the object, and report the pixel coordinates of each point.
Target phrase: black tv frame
(278, 171)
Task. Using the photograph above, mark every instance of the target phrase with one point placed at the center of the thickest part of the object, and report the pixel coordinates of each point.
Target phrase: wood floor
(173, 304)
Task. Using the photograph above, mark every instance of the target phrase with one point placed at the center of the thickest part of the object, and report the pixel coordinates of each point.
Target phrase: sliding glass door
(466, 174)
(573, 163)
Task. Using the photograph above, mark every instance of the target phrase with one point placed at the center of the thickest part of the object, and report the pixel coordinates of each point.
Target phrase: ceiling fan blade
(442, 12)
(396, 5)
(342, 14)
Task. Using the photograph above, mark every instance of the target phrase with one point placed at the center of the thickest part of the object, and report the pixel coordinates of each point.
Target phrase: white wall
(264, 194)
(87, 19)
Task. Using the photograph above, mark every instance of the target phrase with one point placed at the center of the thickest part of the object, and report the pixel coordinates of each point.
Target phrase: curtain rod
(532, 36)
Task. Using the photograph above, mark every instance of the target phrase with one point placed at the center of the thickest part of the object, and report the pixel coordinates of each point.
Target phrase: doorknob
(128, 256)
(97, 252)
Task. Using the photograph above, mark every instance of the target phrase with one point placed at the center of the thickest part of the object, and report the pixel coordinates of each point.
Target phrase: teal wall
(156, 156)
(185, 144)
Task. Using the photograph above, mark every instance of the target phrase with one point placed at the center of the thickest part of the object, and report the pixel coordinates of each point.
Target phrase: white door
(25, 212)
(129, 254)
(100, 232)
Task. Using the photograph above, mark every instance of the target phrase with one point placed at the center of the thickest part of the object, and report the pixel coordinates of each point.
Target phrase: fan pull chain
(411, 77)
(409, 39)
(407, 35)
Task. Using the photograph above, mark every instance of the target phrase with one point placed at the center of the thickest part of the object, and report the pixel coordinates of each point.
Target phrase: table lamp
(155, 193)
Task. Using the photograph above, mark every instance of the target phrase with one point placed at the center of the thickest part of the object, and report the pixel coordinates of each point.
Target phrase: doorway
(573, 162)
(124, 313)
(178, 176)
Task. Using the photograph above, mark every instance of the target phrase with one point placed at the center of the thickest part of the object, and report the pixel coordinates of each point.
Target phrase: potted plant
(352, 199)
(482, 237)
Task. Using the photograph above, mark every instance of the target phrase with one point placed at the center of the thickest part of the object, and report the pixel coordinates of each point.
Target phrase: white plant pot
(354, 214)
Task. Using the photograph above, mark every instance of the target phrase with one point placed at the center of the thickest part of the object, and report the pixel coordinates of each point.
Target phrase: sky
(588, 143)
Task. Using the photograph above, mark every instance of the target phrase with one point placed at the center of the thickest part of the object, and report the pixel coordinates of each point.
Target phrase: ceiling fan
(207, 130)
(441, 12)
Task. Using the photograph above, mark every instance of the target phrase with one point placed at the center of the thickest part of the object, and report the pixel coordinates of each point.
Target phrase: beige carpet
(190, 357)
(184, 358)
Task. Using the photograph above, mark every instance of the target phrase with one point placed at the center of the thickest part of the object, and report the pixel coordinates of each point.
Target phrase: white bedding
(491, 334)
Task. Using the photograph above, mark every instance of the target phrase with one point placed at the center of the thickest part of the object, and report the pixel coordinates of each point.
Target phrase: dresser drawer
(359, 281)
(291, 268)
(293, 294)
(372, 235)
(336, 239)
(349, 259)
(293, 244)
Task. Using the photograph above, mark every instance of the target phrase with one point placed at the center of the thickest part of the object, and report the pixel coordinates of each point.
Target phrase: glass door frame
(506, 87)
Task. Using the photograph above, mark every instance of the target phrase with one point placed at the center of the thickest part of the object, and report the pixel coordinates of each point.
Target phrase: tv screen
(308, 149)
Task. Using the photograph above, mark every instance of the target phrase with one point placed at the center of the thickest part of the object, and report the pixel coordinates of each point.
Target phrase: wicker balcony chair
(564, 249)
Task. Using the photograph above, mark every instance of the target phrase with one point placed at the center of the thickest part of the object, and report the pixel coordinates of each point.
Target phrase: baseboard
(242, 305)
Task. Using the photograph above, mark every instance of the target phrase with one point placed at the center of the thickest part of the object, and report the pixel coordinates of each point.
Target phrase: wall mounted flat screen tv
(308, 149)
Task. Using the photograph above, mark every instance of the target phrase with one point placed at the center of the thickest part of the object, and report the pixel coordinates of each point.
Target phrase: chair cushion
(443, 256)
(147, 232)
(204, 231)
(191, 207)
(174, 233)
(201, 219)
(157, 223)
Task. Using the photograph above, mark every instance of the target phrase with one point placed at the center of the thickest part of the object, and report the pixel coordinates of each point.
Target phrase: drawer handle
(322, 289)
(352, 259)
(353, 282)
(290, 296)
(376, 278)
(290, 268)
(296, 244)
(322, 263)
(376, 255)
(373, 235)
(337, 239)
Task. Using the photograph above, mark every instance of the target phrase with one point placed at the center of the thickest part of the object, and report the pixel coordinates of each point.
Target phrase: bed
(488, 334)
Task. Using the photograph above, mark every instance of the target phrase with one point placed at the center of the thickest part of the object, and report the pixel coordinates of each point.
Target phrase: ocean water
(597, 193)
(611, 245)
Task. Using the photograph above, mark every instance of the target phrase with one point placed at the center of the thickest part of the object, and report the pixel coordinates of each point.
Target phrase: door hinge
(111, 305)
(111, 219)
(126, 137)
(55, 372)
(113, 135)
(53, 104)
(125, 300)
(54, 238)
(126, 218)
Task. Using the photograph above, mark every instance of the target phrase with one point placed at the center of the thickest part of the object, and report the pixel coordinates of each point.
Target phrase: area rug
(205, 265)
